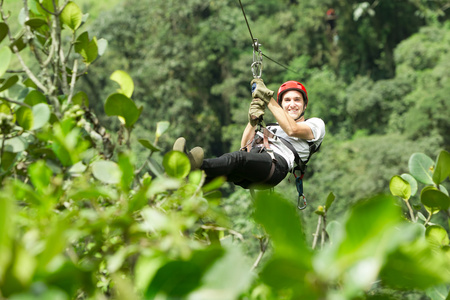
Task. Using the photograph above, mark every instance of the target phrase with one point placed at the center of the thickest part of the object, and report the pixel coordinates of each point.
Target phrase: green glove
(256, 111)
(261, 91)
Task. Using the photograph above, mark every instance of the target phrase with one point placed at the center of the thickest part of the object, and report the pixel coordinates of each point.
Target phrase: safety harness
(300, 165)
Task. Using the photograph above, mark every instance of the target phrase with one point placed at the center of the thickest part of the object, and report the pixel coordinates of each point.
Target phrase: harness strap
(272, 170)
(267, 134)
(300, 164)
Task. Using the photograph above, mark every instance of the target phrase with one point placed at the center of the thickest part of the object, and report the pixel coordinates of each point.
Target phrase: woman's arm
(248, 135)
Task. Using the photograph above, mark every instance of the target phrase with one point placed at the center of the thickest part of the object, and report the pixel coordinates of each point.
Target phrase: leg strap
(272, 170)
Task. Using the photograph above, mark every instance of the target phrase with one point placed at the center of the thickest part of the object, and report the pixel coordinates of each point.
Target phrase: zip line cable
(246, 21)
(256, 45)
(280, 64)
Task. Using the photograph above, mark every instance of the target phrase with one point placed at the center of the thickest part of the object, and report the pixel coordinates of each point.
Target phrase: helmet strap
(301, 115)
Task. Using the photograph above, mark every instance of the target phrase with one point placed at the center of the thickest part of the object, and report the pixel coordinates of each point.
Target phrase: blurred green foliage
(94, 206)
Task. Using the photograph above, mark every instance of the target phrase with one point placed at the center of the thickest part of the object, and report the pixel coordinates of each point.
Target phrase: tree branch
(63, 6)
(62, 58)
(72, 82)
(235, 233)
(428, 219)
(411, 212)
(15, 102)
(263, 242)
(316, 234)
(28, 71)
(42, 6)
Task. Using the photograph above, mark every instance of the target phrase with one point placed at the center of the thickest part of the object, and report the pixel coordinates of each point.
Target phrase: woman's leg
(246, 168)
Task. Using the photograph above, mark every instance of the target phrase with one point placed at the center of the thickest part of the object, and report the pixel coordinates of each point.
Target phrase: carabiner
(257, 64)
(299, 202)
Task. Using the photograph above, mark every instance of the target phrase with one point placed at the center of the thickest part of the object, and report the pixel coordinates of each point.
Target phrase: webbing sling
(300, 164)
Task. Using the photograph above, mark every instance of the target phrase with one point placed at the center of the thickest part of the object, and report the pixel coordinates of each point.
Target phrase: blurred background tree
(380, 88)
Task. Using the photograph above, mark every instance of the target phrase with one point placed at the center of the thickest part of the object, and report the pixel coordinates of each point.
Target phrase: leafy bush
(81, 219)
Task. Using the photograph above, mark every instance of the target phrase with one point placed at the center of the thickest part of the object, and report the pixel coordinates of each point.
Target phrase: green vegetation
(94, 205)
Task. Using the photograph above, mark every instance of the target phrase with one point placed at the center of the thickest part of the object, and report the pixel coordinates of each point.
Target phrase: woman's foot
(195, 156)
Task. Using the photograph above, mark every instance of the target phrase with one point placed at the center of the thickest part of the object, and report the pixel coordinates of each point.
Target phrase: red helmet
(289, 86)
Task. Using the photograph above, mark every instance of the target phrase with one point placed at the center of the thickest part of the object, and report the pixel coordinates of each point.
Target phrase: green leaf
(5, 108)
(7, 161)
(280, 220)
(127, 169)
(115, 261)
(16, 144)
(21, 18)
(443, 189)
(335, 231)
(6, 231)
(439, 292)
(70, 278)
(102, 45)
(412, 182)
(41, 115)
(67, 142)
(24, 117)
(35, 23)
(415, 266)
(227, 278)
(55, 242)
(81, 99)
(107, 171)
(50, 293)
(93, 193)
(161, 127)
(421, 167)
(147, 144)
(40, 175)
(48, 5)
(368, 223)
(25, 192)
(120, 105)
(146, 267)
(177, 278)
(442, 170)
(86, 48)
(35, 97)
(400, 187)
(195, 177)
(125, 82)
(161, 185)
(330, 199)
(71, 16)
(9, 83)
(18, 42)
(77, 169)
(214, 184)
(29, 83)
(434, 198)
(176, 164)
(154, 220)
(5, 59)
(437, 236)
(4, 29)
(288, 275)
(24, 265)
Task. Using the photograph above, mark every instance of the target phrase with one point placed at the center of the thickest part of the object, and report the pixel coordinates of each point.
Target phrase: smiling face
(293, 103)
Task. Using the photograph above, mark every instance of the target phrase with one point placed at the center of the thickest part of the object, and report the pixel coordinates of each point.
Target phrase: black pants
(246, 169)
